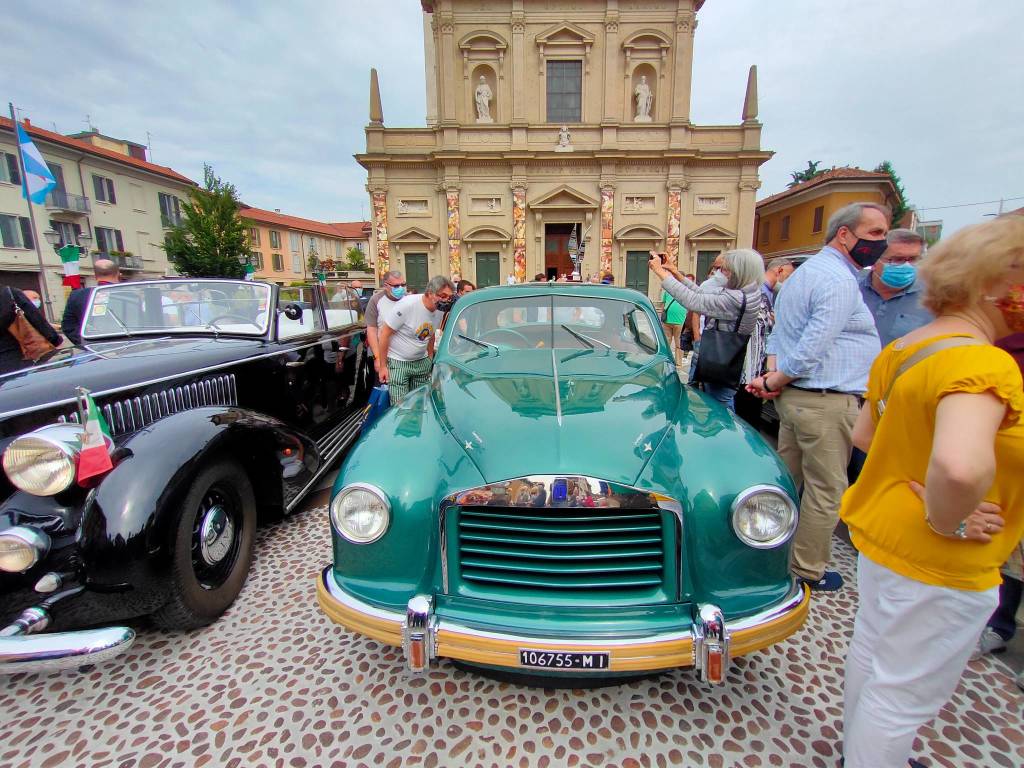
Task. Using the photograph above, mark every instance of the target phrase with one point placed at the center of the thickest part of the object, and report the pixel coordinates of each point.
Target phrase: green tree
(899, 210)
(211, 240)
(313, 260)
(355, 260)
(808, 173)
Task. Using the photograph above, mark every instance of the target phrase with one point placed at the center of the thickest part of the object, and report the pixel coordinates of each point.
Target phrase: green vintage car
(557, 502)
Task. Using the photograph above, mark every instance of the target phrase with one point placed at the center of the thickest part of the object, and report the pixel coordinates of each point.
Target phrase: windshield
(581, 323)
(178, 306)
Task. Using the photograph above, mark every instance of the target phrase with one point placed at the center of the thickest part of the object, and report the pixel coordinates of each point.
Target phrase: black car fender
(125, 530)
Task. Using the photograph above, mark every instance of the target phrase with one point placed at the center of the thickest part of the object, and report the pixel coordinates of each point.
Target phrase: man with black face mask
(819, 355)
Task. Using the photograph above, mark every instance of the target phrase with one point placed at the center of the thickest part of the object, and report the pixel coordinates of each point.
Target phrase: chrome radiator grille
(579, 550)
(135, 413)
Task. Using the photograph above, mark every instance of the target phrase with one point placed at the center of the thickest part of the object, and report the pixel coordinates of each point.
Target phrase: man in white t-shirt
(406, 337)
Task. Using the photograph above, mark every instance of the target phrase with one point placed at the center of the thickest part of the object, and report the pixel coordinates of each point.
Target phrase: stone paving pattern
(274, 683)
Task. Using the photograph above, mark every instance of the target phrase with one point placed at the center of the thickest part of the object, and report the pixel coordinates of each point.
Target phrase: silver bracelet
(959, 533)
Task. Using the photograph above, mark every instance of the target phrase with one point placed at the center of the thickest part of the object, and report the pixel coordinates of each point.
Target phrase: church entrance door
(556, 249)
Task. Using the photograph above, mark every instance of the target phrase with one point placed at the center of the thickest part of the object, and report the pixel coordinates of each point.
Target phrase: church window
(565, 91)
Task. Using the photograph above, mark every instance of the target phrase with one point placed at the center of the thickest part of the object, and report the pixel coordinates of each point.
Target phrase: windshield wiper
(590, 341)
(119, 321)
(484, 344)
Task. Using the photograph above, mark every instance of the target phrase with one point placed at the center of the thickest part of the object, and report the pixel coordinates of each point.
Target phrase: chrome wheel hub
(216, 535)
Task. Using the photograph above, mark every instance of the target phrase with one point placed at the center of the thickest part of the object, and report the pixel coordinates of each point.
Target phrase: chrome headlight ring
(764, 516)
(44, 462)
(360, 513)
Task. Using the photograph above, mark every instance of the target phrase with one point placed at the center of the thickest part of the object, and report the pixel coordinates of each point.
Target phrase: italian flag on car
(95, 456)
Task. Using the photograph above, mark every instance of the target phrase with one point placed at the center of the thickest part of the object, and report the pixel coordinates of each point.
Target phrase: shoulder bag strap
(743, 311)
(923, 353)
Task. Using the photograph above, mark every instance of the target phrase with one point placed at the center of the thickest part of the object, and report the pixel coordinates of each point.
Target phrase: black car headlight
(360, 513)
(764, 516)
(43, 462)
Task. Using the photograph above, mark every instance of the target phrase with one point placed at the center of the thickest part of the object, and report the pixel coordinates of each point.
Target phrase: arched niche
(644, 80)
(483, 74)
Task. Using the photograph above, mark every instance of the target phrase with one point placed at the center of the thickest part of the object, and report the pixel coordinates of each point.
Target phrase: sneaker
(829, 582)
(989, 642)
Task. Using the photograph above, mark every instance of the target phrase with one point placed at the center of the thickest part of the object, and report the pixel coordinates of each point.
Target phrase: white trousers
(911, 642)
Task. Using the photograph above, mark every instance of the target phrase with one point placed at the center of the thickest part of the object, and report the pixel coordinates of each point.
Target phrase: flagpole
(31, 216)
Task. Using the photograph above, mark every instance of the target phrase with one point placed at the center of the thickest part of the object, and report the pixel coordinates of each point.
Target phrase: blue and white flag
(38, 178)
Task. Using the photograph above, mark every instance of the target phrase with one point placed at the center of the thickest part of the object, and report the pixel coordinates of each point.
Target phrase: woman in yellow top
(945, 466)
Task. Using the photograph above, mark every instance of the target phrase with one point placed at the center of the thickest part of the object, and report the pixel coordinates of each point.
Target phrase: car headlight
(22, 547)
(43, 462)
(360, 513)
(764, 516)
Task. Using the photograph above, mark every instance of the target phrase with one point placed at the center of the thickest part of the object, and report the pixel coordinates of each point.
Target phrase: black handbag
(720, 361)
(664, 310)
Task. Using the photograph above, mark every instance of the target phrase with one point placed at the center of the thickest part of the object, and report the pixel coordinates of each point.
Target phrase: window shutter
(12, 168)
(111, 197)
(26, 232)
(120, 242)
(78, 232)
(97, 187)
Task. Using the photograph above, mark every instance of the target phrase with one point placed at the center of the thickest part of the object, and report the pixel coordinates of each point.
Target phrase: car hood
(611, 412)
(112, 365)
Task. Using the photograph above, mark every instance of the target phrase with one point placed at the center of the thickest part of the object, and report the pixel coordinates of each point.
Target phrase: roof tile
(832, 174)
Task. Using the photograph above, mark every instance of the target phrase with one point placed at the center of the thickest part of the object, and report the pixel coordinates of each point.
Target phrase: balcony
(125, 261)
(64, 202)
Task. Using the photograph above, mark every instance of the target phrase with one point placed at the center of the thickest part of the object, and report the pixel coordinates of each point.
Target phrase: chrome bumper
(62, 650)
(708, 644)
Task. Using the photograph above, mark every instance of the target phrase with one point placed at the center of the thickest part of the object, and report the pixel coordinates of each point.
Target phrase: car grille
(134, 413)
(577, 550)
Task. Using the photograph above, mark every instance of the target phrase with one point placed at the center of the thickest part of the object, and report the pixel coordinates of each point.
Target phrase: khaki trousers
(815, 440)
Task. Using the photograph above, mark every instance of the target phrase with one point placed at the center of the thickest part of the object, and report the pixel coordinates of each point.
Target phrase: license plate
(540, 659)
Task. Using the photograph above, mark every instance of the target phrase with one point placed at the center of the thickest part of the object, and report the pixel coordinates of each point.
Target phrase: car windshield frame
(187, 306)
(563, 333)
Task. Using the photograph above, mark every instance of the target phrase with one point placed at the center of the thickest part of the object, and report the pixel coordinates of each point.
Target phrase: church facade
(552, 123)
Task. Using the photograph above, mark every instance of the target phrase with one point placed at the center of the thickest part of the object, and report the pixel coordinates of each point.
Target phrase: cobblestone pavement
(274, 683)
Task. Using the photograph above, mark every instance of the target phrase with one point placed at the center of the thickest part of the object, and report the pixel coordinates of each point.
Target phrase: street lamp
(52, 237)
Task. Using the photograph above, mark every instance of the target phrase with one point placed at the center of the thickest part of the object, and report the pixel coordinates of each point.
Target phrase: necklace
(984, 332)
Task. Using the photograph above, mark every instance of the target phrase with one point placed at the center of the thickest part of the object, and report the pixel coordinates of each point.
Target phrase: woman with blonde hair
(942, 420)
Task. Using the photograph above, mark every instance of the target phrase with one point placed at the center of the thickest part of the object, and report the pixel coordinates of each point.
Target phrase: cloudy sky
(274, 95)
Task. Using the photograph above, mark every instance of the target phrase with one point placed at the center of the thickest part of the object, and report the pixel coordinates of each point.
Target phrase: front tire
(213, 533)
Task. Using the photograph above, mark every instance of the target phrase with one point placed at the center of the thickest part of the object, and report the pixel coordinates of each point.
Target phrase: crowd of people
(897, 382)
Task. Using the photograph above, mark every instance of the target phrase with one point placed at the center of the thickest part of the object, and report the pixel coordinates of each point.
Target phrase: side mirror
(293, 312)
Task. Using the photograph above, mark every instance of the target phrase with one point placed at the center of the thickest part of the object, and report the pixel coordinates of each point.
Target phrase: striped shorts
(406, 375)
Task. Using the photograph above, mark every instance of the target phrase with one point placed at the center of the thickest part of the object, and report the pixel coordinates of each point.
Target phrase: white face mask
(37, 304)
(719, 279)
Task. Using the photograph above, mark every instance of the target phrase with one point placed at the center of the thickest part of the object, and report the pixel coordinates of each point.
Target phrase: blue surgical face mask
(397, 291)
(898, 275)
(37, 304)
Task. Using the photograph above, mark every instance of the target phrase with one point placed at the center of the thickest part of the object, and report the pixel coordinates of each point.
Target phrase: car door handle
(295, 364)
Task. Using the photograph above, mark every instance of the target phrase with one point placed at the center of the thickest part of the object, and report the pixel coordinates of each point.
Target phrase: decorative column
(518, 62)
(379, 200)
(607, 220)
(454, 233)
(448, 81)
(612, 89)
(675, 220)
(519, 231)
(745, 214)
(686, 25)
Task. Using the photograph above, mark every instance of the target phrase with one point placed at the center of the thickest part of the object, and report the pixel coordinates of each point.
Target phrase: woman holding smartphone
(739, 299)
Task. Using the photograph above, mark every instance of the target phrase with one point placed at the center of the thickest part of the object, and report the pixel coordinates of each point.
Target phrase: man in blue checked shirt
(819, 355)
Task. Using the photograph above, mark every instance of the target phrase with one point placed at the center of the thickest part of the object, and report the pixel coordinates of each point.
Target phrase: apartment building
(106, 189)
(281, 244)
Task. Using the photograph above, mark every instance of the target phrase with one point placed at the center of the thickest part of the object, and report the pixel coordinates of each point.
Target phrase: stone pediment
(564, 34)
(413, 235)
(647, 40)
(487, 234)
(482, 40)
(711, 232)
(639, 232)
(563, 197)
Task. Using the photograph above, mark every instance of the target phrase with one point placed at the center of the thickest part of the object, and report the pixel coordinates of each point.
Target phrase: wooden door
(488, 270)
(416, 275)
(637, 271)
(704, 261)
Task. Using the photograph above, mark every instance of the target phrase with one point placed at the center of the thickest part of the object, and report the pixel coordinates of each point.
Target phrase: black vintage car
(226, 401)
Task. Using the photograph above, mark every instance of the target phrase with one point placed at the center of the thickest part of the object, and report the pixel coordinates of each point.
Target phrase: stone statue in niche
(644, 99)
(403, 207)
(483, 98)
(564, 140)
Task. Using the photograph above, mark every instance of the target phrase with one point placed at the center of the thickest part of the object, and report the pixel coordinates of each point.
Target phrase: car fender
(696, 464)
(411, 457)
(124, 534)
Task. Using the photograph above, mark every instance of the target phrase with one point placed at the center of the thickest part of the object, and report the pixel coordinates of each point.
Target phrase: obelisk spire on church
(750, 101)
(376, 110)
